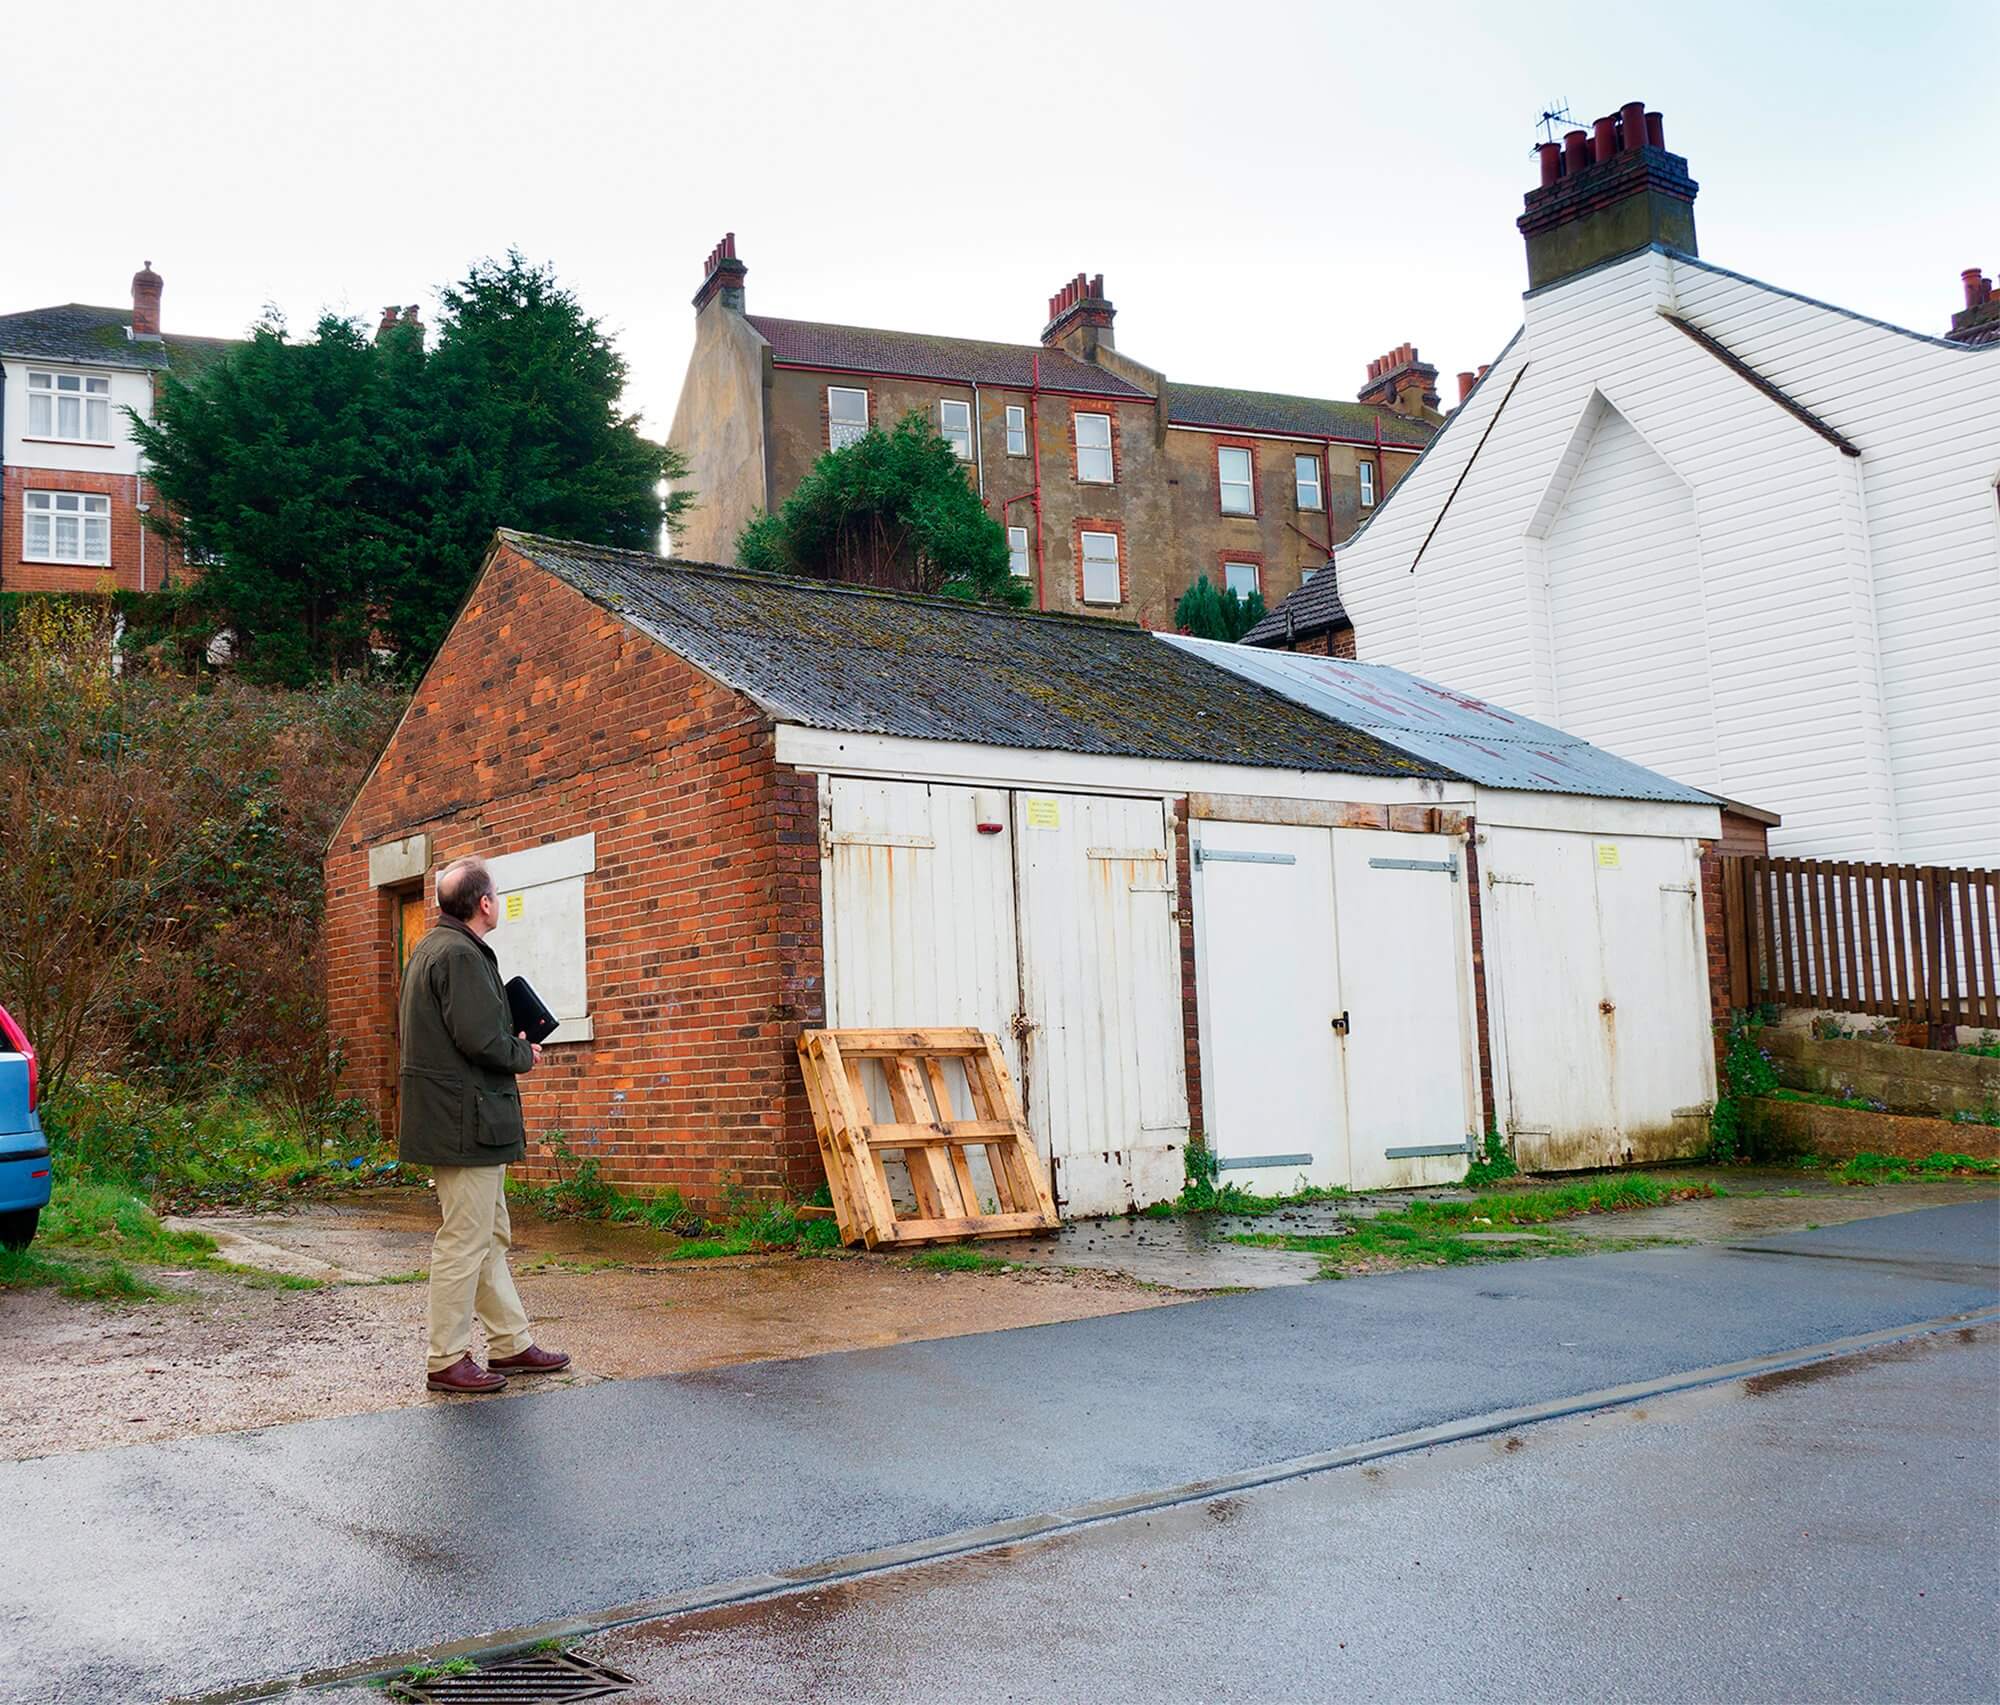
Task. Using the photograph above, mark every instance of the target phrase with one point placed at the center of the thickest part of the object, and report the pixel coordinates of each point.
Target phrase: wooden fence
(1905, 941)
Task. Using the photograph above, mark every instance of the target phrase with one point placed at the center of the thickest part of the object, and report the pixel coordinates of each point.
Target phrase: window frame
(88, 391)
(1303, 459)
(1108, 448)
(1017, 429)
(1248, 483)
(1019, 554)
(89, 506)
(1116, 560)
(835, 426)
(946, 433)
(1364, 474)
(1256, 570)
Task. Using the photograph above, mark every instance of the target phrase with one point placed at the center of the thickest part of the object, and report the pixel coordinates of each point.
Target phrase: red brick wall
(19, 575)
(1718, 946)
(544, 717)
(1335, 643)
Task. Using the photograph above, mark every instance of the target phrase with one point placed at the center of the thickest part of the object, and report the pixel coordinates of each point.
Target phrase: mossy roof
(856, 660)
(97, 337)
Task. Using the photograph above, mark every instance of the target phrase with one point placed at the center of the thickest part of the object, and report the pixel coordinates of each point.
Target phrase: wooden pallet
(925, 1130)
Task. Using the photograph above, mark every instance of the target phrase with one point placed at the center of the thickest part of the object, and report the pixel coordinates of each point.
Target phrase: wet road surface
(175, 1568)
(1831, 1533)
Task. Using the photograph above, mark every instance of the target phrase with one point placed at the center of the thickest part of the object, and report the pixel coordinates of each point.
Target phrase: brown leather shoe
(467, 1375)
(534, 1359)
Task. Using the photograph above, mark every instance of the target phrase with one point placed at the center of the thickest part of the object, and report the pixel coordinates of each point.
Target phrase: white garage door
(1057, 933)
(1334, 1019)
(1597, 975)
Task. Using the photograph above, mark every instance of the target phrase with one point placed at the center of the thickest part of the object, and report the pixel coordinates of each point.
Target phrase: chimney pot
(1605, 143)
(1632, 116)
(1465, 383)
(1974, 282)
(1551, 153)
(146, 288)
(1576, 151)
(1656, 131)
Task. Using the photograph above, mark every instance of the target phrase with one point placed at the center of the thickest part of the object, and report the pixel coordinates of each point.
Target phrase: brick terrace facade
(756, 413)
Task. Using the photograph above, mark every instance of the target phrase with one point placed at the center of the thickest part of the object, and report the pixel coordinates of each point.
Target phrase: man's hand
(534, 1048)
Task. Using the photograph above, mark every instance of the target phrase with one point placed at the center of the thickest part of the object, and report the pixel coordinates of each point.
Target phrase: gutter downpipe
(978, 446)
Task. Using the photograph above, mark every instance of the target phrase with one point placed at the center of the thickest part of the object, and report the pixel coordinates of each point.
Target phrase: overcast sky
(1274, 192)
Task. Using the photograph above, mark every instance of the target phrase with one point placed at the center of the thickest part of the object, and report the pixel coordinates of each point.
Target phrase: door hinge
(1447, 866)
(1227, 855)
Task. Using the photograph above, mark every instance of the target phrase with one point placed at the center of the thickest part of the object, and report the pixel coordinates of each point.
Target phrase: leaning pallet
(934, 1143)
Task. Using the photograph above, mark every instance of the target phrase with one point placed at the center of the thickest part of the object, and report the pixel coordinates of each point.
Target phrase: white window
(69, 405)
(1017, 430)
(1101, 581)
(955, 427)
(1093, 450)
(1367, 484)
(1305, 471)
(1240, 578)
(846, 415)
(1232, 473)
(1017, 552)
(66, 526)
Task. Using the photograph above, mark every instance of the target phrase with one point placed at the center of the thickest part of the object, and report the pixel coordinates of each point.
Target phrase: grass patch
(957, 1258)
(418, 1276)
(1869, 1169)
(113, 1221)
(1443, 1234)
(759, 1232)
(87, 1281)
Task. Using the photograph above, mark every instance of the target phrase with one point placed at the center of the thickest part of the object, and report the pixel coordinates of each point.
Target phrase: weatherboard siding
(1848, 609)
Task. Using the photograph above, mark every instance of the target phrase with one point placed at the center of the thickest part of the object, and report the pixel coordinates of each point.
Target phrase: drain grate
(547, 1678)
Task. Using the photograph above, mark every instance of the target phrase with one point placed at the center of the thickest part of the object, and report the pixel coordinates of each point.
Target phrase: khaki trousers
(469, 1267)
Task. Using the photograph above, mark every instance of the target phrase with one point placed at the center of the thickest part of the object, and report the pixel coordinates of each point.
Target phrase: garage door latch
(1340, 1024)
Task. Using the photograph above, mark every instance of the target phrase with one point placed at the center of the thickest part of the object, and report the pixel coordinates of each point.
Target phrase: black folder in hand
(531, 1018)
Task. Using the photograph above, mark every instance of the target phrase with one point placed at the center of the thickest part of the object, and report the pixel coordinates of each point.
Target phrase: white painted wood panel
(1850, 608)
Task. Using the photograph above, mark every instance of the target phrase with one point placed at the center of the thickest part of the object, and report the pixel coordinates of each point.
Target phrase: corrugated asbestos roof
(1314, 608)
(958, 360)
(1306, 417)
(1463, 736)
(865, 662)
(76, 331)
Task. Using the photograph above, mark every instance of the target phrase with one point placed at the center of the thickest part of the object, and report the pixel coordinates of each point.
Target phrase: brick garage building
(724, 807)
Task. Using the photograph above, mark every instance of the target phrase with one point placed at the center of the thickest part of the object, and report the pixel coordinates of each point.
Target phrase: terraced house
(74, 490)
(1118, 486)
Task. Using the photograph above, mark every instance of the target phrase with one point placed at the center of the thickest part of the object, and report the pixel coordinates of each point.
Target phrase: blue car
(24, 1151)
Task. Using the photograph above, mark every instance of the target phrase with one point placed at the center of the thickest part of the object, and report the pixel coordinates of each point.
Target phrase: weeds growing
(958, 1259)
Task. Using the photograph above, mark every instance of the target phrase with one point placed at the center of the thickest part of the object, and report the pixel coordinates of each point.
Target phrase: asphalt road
(1831, 1533)
(171, 1569)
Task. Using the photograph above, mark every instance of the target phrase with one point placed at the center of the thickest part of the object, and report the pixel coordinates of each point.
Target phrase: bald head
(462, 884)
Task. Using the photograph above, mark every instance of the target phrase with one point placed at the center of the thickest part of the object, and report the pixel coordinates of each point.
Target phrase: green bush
(1493, 1166)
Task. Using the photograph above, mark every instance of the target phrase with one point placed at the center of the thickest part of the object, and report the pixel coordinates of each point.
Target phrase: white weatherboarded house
(1724, 530)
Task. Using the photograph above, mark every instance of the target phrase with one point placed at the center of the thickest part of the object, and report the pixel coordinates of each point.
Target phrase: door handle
(1340, 1024)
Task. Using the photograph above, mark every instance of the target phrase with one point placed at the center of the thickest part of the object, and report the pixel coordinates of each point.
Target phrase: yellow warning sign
(1607, 855)
(1044, 814)
(514, 906)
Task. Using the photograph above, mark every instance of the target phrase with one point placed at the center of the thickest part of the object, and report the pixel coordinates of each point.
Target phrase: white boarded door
(1269, 991)
(919, 912)
(1411, 1089)
(1598, 979)
(1057, 934)
(1101, 993)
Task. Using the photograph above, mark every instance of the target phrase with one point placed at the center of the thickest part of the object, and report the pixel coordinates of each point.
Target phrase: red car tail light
(17, 1040)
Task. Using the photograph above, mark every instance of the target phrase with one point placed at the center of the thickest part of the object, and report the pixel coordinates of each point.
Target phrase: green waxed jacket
(460, 1103)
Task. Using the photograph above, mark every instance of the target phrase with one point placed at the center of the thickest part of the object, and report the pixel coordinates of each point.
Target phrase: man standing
(461, 1117)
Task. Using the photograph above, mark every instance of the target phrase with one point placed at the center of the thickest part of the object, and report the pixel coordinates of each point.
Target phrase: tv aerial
(1556, 116)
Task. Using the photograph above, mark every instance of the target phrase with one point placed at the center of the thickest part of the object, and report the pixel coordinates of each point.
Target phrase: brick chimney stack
(722, 276)
(1607, 192)
(395, 320)
(1979, 321)
(1403, 381)
(147, 286)
(1080, 317)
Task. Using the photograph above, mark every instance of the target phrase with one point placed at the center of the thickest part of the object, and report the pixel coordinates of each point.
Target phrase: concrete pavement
(174, 1569)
